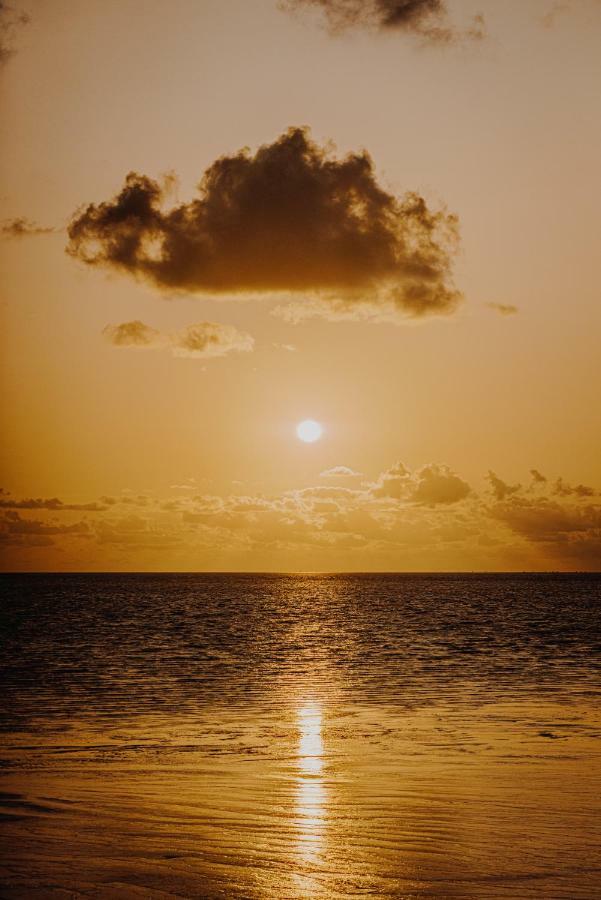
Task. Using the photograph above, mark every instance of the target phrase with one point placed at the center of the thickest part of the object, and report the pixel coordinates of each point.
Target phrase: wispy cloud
(504, 309)
(203, 340)
(22, 228)
(340, 472)
(427, 20)
(11, 20)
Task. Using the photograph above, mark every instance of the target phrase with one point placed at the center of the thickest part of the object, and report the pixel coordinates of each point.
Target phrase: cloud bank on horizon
(402, 518)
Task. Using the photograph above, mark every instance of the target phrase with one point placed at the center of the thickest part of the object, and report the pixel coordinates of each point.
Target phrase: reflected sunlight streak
(311, 793)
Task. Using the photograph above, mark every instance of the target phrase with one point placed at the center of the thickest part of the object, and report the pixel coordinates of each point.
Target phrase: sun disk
(309, 431)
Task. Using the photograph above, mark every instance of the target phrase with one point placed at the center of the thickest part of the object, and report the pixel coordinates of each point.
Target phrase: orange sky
(153, 377)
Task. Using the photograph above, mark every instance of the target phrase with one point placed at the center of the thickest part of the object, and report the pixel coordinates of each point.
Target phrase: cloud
(20, 228)
(500, 488)
(504, 309)
(558, 519)
(201, 341)
(563, 489)
(426, 518)
(339, 472)
(545, 519)
(127, 499)
(16, 530)
(538, 477)
(290, 218)
(559, 8)
(11, 19)
(190, 484)
(426, 19)
(52, 503)
(210, 339)
(554, 11)
(429, 486)
(136, 532)
(133, 334)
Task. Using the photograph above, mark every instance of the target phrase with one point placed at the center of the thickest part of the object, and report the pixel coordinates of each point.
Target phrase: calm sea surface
(300, 736)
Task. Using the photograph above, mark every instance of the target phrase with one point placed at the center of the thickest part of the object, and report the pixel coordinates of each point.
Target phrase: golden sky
(223, 217)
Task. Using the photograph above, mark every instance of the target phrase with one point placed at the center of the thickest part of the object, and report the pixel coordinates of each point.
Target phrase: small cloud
(190, 484)
(290, 348)
(21, 228)
(425, 19)
(133, 334)
(538, 477)
(429, 486)
(563, 489)
(51, 503)
(504, 309)
(208, 339)
(555, 10)
(200, 341)
(340, 472)
(500, 488)
(11, 19)
(560, 8)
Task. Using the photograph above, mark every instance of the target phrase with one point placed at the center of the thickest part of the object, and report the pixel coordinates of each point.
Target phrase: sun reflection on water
(311, 793)
(310, 744)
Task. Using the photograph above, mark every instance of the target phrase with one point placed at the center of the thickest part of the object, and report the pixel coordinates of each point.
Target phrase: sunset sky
(223, 217)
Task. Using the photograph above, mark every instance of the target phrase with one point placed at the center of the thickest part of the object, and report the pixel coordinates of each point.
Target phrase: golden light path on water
(311, 792)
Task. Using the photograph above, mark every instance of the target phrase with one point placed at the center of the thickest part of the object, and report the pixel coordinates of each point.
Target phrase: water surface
(299, 736)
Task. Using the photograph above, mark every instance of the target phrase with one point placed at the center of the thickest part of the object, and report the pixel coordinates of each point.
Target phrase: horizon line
(302, 572)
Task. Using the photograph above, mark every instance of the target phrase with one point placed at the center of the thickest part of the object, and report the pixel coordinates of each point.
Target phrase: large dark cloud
(427, 19)
(291, 218)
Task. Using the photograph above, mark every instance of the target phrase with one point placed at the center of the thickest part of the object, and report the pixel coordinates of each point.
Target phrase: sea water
(300, 736)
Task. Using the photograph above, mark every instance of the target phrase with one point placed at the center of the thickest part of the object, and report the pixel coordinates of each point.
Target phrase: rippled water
(300, 736)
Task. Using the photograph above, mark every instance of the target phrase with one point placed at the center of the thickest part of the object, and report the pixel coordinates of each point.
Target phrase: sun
(309, 431)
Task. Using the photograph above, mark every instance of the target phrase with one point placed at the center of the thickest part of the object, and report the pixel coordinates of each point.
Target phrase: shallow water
(301, 736)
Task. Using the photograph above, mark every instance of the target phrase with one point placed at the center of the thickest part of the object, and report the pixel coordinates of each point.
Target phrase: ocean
(300, 736)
